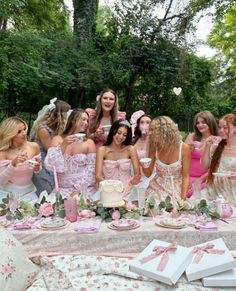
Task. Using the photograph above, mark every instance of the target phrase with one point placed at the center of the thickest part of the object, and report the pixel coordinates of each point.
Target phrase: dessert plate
(130, 227)
(53, 224)
(171, 223)
(124, 223)
(222, 174)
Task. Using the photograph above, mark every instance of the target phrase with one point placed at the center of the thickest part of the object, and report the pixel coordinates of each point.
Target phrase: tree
(223, 37)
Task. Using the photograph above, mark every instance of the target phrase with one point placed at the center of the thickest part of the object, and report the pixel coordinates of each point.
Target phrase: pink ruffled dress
(75, 173)
(17, 180)
(118, 170)
(161, 185)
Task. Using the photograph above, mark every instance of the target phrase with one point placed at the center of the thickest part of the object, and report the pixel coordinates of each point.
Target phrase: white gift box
(210, 263)
(179, 259)
(224, 279)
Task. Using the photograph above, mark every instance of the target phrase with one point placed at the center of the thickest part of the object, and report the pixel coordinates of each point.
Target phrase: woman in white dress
(221, 160)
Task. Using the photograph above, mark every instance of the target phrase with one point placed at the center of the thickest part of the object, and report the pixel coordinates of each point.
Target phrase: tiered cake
(111, 193)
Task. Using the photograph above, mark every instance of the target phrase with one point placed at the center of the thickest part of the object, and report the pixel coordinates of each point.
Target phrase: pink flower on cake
(130, 206)
(46, 209)
(116, 215)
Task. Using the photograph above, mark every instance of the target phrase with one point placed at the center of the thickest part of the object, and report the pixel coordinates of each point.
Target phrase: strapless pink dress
(118, 170)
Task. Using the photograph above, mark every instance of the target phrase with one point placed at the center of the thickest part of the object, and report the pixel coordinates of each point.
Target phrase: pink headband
(134, 117)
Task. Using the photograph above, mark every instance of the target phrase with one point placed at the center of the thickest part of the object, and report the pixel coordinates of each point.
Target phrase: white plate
(223, 174)
(111, 226)
(170, 223)
(124, 223)
(51, 223)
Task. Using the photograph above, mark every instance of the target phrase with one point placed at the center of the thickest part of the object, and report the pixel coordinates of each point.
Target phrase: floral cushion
(16, 270)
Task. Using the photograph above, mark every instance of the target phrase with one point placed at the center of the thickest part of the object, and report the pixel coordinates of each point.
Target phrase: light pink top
(161, 185)
(75, 172)
(17, 179)
(118, 170)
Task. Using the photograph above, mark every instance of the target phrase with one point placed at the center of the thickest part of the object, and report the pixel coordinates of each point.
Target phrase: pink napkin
(206, 226)
(88, 226)
(27, 223)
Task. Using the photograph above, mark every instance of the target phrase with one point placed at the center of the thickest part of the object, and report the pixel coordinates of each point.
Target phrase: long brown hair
(99, 113)
(210, 120)
(230, 119)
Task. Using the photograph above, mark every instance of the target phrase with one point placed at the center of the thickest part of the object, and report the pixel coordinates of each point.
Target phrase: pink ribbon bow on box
(208, 248)
(158, 250)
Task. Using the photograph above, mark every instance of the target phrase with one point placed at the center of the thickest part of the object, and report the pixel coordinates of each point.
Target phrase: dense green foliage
(131, 49)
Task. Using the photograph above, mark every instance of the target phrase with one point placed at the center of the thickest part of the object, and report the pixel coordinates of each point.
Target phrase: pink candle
(55, 179)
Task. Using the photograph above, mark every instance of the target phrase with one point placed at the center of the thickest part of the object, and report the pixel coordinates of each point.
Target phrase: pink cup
(71, 209)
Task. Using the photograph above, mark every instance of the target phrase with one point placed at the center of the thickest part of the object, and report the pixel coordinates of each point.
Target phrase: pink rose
(46, 209)
(130, 206)
(86, 213)
(116, 215)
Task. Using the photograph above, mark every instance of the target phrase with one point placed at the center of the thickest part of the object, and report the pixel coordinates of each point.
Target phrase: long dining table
(106, 241)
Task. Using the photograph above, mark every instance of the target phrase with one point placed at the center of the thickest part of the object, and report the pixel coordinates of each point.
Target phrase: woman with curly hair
(171, 159)
(50, 122)
(105, 114)
(221, 160)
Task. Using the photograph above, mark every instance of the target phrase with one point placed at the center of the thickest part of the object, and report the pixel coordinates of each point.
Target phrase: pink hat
(134, 117)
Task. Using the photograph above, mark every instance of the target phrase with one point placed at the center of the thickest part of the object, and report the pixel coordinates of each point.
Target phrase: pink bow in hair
(134, 117)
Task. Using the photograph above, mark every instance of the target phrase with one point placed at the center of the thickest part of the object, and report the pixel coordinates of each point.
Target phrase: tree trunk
(129, 89)
(84, 25)
(84, 20)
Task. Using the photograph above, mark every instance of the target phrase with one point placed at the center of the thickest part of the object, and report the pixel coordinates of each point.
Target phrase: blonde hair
(8, 130)
(164, 134)
(55, 119)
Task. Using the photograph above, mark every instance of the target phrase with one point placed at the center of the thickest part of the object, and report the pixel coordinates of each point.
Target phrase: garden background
(139, 48)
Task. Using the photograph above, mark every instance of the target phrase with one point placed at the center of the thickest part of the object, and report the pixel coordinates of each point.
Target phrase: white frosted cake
(111, 193)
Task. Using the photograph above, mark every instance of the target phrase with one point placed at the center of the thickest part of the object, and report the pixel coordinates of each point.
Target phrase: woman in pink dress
(19, 159)
(103, 116)
(73, 156)
(171, 159)
(204, 125)
(115, 159)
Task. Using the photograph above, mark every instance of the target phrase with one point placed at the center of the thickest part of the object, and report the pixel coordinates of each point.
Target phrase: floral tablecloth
(92, 273)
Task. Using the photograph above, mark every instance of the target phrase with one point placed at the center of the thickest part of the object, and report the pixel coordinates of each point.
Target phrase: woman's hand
(135, 180)
(21, 158)
(37, 167)
(68, 140)
(99, 132)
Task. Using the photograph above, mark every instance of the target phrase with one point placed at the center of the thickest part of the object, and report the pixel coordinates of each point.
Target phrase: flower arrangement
(128, 211)
(51, 205)
(153, 208)
(24, 209)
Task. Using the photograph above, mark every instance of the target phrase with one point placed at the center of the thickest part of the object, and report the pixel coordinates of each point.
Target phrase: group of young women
(85, 147)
